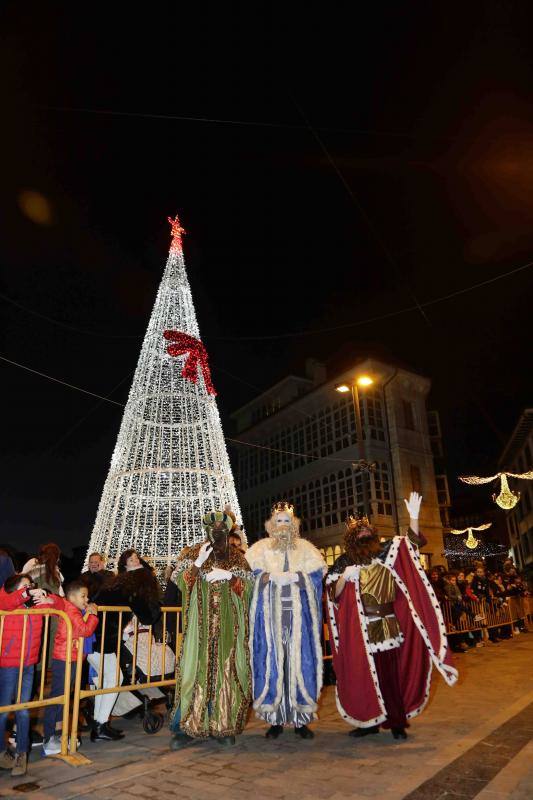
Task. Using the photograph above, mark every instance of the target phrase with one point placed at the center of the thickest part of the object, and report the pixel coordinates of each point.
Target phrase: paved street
(472, 741)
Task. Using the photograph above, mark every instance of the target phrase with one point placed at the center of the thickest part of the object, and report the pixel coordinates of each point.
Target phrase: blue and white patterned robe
(285, 633)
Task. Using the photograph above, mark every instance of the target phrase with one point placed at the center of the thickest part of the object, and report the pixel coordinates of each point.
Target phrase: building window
(408, 416)
(382, 489)
(434, 424)
(331, 554)
(425, 560)
(527, 501)
(443, 494)
(416, 480)
(436, 448)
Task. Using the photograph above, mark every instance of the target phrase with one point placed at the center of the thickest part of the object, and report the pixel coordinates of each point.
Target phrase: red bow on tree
(183, 344)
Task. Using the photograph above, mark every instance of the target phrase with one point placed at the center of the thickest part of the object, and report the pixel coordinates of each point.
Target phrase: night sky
(330, 171)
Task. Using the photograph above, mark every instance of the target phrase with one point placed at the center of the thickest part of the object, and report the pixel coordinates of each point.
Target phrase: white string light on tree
(506, 498)
(170, 464)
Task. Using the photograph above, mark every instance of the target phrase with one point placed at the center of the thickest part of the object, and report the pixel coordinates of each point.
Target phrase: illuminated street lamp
(362, 464)
(363, 381)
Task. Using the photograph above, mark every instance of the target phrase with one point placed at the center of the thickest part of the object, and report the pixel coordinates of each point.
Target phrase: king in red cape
(386, 628)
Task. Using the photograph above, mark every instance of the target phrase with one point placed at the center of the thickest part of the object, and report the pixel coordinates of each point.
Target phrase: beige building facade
(518, 457)
(305, 445)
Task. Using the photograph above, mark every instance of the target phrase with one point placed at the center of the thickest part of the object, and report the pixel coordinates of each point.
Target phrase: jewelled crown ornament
(361, 540)
(360, 526)
(283, 527)
(217, 525)
(283, 506)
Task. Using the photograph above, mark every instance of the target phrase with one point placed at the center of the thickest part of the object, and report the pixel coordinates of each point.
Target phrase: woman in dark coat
(135, 586)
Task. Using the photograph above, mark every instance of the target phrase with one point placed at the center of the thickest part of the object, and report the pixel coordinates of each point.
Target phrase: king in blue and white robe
(285, 631)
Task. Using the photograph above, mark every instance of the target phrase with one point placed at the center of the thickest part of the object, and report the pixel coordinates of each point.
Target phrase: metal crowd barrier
(137, 684)
(478, 615)
(41, 702)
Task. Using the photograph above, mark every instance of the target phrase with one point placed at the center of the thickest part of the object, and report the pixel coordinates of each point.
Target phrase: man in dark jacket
(480, 587)
(97, 576)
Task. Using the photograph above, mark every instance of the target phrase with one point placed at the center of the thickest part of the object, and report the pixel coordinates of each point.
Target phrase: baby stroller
(152, 721)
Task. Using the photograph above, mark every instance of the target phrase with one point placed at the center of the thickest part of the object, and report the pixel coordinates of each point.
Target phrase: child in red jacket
(18, 591)
(75, 605)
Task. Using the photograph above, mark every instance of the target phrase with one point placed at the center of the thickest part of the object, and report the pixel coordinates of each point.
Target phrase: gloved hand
(283, 578)
(203, 555)
(350, 573)
(413, 505)
(218, 575)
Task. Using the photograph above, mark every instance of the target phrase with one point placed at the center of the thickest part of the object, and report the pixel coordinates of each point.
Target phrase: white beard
(283, 539)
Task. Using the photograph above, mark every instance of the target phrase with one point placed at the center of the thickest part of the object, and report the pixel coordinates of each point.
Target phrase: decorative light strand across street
(506, 498)
(471, 542)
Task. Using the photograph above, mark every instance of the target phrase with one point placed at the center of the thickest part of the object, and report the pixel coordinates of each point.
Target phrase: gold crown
(282, 505)
(358, 523)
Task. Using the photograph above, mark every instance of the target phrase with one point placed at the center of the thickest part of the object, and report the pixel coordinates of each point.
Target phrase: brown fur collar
(139, 582)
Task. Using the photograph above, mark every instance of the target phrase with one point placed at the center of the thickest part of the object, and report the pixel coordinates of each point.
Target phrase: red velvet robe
(359, 698)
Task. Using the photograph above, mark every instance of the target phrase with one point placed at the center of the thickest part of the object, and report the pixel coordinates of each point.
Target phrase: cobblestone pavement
(472, 741)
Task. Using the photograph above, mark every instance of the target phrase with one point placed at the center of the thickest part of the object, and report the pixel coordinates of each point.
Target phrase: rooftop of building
(317, 376)
(518, 438)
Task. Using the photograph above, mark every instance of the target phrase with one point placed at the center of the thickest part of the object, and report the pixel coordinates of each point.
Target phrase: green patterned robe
(213, 691)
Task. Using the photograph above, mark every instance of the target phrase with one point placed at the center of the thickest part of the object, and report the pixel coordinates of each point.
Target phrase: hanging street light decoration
(506, 498)
(471, 542)
(364, 466)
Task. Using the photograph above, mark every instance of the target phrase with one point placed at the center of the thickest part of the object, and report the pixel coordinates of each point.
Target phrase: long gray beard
(282, 545)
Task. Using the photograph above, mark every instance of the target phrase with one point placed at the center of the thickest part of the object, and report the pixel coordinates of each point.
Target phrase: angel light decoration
(471, 540)
(506, 498)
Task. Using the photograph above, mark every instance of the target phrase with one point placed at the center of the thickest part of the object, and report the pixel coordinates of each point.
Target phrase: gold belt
(380, 610)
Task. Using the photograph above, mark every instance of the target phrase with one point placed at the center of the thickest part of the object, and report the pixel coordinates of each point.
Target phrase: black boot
(104, 732)
(304, 732)
(357, 733)
(112, 727)
(180, 740)
(226, 741)
(274, 731)
(399, 733)
(87, 712)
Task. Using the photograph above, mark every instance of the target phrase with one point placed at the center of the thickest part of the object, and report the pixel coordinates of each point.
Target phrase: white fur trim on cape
(449, 673)
(358, 723)
(304, 558)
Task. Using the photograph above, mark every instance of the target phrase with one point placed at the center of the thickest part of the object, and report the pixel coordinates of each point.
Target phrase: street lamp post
(396, 510)
(363, 466)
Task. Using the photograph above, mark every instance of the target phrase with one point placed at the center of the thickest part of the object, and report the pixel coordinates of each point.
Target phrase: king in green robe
(213, 690)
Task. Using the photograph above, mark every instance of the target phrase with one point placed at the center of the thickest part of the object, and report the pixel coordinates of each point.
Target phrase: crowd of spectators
(468, 595)
(40, 583)
(465, 595)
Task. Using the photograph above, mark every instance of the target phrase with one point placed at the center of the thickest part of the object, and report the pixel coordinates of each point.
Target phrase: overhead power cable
(379, 317)
(294, 334)
(122, 405)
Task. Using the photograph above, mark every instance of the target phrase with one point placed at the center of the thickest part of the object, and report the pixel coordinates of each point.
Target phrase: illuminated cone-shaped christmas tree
(170, 463)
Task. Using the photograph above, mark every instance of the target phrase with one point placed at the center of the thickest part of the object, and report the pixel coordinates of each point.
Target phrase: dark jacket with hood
(137, 589)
